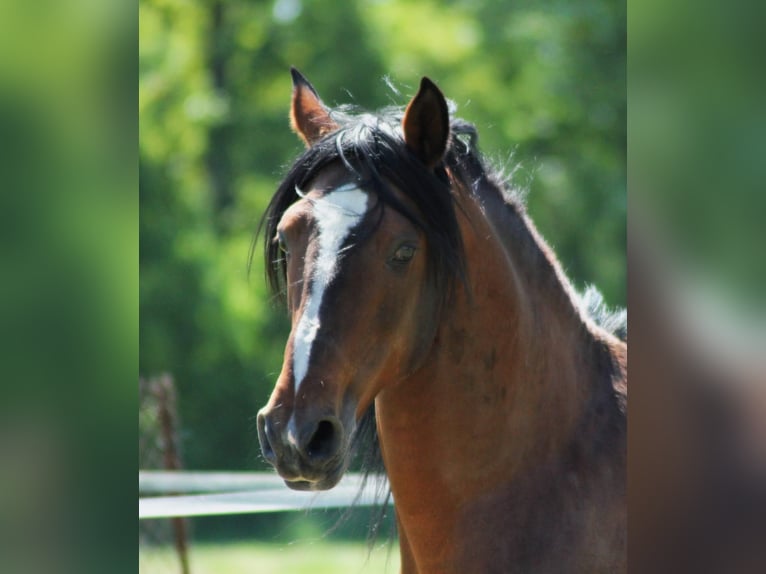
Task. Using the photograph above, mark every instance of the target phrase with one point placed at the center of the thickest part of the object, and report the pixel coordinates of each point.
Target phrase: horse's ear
(426, 124)
(309, 117)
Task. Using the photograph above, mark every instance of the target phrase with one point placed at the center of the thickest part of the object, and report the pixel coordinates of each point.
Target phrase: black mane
(373, 149)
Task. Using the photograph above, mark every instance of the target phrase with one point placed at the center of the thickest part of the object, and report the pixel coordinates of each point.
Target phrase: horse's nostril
(268, 451)
(263, 437)
(325, 440)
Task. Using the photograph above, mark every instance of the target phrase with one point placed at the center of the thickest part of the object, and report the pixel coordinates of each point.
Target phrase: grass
(305, 557)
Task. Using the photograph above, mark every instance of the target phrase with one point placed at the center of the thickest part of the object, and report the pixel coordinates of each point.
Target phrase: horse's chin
(315, 478)
(325, 482)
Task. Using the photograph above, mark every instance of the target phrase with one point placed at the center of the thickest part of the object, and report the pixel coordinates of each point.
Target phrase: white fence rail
(217, 493)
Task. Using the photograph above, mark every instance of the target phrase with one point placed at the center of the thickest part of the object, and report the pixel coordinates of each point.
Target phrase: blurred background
(543, 81)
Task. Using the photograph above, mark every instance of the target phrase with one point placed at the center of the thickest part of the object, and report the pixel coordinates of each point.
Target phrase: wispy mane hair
(372, 148)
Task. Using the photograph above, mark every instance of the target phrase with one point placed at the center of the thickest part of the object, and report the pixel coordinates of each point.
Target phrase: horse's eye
(404, 253)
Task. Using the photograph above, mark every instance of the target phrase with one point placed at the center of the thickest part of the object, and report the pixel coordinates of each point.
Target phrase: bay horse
(423, 299)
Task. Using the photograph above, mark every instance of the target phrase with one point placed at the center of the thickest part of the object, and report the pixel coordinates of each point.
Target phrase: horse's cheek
(387, 323)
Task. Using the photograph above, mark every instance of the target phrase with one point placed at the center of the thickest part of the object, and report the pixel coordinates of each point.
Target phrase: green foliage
(543, 81)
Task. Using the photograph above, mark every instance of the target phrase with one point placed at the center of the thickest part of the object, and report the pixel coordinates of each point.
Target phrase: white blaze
(336, 214)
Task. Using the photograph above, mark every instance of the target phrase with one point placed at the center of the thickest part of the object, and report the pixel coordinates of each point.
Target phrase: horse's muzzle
(312, 457)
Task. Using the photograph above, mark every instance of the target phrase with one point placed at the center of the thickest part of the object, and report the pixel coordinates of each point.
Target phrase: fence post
(162, 390)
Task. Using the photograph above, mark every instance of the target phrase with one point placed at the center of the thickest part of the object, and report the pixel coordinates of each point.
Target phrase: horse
(424, 302)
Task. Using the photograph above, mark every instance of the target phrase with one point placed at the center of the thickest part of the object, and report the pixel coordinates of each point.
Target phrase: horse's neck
(505, 389)
(513, 348)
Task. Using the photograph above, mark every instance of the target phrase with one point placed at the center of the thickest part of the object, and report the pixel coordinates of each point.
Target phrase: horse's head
(361, 236)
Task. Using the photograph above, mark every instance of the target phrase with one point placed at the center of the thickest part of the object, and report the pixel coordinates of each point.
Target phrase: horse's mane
(372, 146)
(614, 321)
